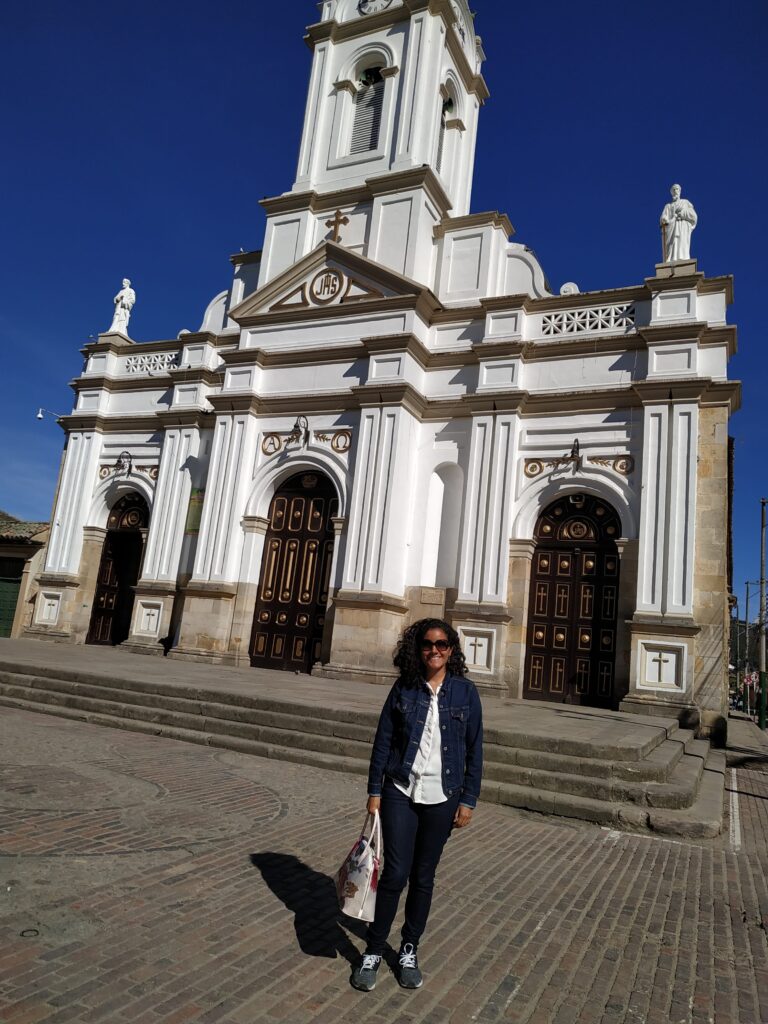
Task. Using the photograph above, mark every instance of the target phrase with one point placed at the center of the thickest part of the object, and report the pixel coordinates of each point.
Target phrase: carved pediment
(329, 286)
(328, 277)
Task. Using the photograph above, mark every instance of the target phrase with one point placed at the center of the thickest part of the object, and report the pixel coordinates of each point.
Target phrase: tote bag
(358, 877)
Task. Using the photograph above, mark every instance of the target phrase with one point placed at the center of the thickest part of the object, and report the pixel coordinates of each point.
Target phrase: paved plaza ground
(145, 880)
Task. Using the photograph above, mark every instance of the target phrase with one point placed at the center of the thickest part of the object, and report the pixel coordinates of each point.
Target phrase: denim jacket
(400, 729)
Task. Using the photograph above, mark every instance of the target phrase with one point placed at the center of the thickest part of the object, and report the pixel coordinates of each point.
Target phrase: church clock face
(373, 6)
(462, 27)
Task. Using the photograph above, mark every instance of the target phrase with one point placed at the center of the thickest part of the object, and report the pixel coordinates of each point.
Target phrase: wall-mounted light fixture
(300, 432)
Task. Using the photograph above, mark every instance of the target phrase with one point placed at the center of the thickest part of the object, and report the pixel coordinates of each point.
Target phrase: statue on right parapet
(678, 219)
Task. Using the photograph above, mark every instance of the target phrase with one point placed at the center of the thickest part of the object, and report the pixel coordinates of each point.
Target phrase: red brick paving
(535, 921)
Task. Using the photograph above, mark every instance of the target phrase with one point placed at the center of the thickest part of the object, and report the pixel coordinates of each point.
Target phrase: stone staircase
(639, 774)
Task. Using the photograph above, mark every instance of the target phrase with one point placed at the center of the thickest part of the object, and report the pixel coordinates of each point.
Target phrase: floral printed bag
(358, 877)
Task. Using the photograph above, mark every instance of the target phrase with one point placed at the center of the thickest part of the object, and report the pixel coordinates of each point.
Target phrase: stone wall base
(136, 646)
(688, 715)
(207, 657)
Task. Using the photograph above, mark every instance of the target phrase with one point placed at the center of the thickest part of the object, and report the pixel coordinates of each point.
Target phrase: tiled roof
(16, 530)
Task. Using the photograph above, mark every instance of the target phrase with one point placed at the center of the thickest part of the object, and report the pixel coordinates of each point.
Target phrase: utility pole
(747, 672)
(763, 695)
(739, 677)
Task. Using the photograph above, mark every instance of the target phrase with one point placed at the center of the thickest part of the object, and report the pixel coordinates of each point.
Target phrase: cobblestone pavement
(144, 880)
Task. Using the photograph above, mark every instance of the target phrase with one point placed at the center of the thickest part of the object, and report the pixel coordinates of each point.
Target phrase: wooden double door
(11, 571)
(295, 575)
(119, 572)
(573, 604)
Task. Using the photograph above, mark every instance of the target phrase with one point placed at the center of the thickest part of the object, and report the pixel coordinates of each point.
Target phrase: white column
(419, 89)
(318, 87)
(169, 512)
(380, 509)
(476, 509)
(497, 521)
(220, 542)
(488, 510)
(668, 509)
(653, 509)
(75, 493)
(681, 518)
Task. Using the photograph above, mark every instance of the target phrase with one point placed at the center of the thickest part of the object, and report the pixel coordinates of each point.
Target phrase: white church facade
(389, 415)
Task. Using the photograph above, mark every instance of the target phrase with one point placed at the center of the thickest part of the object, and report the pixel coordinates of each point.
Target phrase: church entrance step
(657, 783)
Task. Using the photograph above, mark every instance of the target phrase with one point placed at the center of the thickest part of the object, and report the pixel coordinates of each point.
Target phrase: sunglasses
(441, 645)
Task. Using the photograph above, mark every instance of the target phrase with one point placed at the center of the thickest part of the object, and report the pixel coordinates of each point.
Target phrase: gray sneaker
(364, 975)
(408, 973)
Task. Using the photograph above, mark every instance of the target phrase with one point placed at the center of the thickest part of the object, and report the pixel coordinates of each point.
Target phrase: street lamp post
(747, 672)
(739, 676)
(761, 640)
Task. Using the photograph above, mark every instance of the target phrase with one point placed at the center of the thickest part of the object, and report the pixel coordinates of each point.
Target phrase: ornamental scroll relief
(116, 470)
(274, 443)
(624, 465)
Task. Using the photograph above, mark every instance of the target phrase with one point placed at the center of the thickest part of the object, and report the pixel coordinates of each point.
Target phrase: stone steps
(656, 782)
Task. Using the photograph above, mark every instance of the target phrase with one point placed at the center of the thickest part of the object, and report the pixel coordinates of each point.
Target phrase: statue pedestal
(680, 268)
(116, 337)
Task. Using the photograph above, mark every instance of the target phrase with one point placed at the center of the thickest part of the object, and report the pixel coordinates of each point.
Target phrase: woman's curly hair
(408, 651)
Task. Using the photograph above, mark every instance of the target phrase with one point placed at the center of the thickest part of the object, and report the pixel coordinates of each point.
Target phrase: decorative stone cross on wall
(477, 649)
(337, 223)
(660, 661)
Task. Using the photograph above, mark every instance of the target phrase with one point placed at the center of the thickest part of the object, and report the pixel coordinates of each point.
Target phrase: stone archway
(295, 574)
(119, 571)
(573, 604)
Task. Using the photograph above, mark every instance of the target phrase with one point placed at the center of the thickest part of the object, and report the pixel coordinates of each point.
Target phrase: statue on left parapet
(124, 303)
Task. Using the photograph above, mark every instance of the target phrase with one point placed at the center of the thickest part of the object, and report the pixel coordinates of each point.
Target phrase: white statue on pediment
(124, 303)
(678, 219)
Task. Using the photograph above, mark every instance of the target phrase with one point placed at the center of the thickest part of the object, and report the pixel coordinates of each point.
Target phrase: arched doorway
(295, 575)
(573, 604)
(119, 571)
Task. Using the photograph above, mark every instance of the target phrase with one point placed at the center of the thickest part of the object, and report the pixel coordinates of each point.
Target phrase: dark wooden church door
(295, 575)
(573, 604)
(119, 571)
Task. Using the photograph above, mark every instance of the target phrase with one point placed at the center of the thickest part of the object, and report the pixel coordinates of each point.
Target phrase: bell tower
(389, 133)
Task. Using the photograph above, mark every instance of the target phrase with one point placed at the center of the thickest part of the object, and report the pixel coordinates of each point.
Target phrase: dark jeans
(414, 837)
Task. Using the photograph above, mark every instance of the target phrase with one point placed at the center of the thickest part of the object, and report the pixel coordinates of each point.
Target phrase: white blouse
(426, 780)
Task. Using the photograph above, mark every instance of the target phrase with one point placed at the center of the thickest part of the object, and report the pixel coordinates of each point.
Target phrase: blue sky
(138, 139)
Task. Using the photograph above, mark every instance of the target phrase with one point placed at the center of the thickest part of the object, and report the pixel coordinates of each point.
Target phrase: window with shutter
(369, 103)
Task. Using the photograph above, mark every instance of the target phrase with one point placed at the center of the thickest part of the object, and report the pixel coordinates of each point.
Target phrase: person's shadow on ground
(311, 897)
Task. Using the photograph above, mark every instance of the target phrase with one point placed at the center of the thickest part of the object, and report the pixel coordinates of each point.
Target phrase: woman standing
(426, 766)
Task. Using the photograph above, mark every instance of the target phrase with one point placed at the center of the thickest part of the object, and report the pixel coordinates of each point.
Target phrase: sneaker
(364, 975)
(408, 973)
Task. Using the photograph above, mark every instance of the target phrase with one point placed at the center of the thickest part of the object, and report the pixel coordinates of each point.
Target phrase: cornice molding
(542, 350)
(241, 258)
(135, 349)
(492, 219)
(357, 599)
(606, 297)
(159, 381)
(702, 390)
(664, 334)
(378, 185)
(180, 418)
(726, 335)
